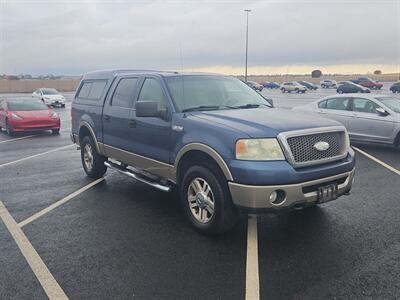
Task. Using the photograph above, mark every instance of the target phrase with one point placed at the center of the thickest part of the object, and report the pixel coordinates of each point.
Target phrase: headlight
(54, 115)
(259, 149)
(15, 117)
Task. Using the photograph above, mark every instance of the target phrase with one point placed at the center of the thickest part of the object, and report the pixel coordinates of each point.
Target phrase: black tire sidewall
(98, 168)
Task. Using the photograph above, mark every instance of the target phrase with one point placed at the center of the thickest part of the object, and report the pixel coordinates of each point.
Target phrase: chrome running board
(137, 176)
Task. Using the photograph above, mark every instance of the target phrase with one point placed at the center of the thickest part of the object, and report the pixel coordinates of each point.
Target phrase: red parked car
(20, 115)
(369, 83)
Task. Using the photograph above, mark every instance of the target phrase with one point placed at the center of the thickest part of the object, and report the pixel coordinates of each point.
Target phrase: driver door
(367, 125)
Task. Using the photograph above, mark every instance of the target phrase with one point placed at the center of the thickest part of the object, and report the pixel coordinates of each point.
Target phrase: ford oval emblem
(321, 146)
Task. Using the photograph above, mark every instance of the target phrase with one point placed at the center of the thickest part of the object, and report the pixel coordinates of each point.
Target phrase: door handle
(132, 123)
(106, 118)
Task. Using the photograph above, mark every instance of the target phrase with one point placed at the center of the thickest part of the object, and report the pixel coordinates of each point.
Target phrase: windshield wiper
(207, 107)
(252, 105)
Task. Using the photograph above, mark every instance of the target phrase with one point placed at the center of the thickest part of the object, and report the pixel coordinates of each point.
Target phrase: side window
(151, 91)
(124, 93)
(322, 104)
(337, 103)
(364, 105)
(85, 89)
(97, 89)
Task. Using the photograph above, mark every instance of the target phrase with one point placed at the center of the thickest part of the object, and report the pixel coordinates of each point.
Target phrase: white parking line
(252, 277)
(16, 139)
(377, 160)
(46, 279)
(33, 156)
(59, 202)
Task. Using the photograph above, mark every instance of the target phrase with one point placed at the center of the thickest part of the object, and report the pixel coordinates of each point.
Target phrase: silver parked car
(368, 118)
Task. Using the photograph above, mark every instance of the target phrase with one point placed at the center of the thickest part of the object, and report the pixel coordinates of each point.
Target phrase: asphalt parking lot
(62, 234)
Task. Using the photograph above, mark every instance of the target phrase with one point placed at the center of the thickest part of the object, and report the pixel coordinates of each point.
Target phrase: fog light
(272, 196)
(277, 197)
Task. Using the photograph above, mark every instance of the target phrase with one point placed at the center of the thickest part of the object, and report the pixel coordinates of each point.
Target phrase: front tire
(92, 162)
(55, 131)
(206, 200)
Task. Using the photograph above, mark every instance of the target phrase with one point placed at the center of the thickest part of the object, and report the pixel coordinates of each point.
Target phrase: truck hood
(265, 122)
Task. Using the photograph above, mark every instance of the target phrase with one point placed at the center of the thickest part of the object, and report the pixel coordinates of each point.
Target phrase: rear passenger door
(116, 114)
(152, 135)
(336, 109)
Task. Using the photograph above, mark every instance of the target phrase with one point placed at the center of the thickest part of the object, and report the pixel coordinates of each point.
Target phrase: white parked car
(328, 84)
(293, 86)
(49, 96)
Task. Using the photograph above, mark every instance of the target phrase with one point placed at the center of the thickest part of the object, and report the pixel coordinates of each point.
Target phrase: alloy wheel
(201, 200)
(88, 157)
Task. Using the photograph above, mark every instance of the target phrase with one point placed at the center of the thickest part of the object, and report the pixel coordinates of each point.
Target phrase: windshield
(392, 103)
(24, 105)
(218, 92)
(49, 92)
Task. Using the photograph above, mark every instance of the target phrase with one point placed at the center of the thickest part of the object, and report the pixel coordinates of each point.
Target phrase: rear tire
(283, 90)
(8, 129)
(206, 200)
(340, 91)
(55, 131)
(92, 162)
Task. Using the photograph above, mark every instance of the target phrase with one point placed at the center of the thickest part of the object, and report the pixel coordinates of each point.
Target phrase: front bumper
(257, 197)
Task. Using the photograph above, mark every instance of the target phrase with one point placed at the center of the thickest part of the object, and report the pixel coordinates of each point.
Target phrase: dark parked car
(395, 88)
(351, 88)
(211, 138)
(271, 85)
(255, 86)
(309, 85)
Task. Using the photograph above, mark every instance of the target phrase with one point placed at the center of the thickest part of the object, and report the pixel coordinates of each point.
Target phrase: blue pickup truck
(219, 144)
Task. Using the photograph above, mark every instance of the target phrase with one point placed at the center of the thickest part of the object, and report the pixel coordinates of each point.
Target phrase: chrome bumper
(254, 197)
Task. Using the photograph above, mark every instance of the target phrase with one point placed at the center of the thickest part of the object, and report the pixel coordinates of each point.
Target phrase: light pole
(247, 41)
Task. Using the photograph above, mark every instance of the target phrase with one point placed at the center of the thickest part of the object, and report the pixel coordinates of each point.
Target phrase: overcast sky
(73, 37)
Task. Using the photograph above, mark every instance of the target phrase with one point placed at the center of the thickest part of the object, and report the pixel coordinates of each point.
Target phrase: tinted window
(85, 89)
(24, 105)
(322, 104)
(337, 103)
(96, 90)
(151, 91)
(124, 93)
(364, 105)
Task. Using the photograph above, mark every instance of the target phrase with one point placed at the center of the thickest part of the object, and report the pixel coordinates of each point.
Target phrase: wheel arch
(199, 152)
(86, 130)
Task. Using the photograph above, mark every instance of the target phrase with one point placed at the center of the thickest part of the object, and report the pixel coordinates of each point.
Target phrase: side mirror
(381, 111)
(150, 109)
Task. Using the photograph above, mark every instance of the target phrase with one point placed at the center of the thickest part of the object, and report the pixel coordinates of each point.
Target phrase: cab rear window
(92, 90)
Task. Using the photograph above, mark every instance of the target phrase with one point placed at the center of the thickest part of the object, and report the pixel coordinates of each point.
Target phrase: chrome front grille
(300, 146)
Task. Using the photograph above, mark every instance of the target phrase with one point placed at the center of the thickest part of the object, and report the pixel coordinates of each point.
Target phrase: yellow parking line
(58, 203)
(33, 156)
(377, 160)
(46, 279)
(252, 275)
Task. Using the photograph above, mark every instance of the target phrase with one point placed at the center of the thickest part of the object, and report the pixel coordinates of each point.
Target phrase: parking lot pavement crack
(46, 279)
